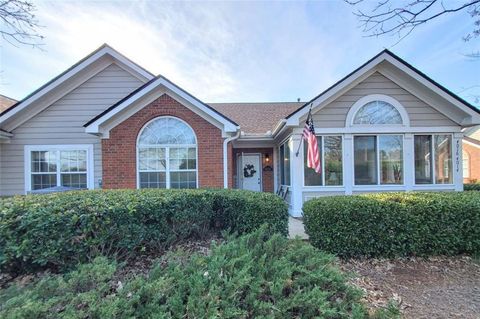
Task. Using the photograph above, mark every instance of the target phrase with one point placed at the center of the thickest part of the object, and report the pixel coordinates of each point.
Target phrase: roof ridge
(277, 102)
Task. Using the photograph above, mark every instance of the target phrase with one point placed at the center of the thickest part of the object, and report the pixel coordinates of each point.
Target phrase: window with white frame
(58, 165)
(466, 164)
(433, 159)
(331, 163)
(378, 159)
(284, 161)
(167, 154)
(377, 112)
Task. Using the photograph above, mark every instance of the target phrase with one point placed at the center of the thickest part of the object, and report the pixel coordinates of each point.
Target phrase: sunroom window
(331, 161)
(378, 159)
(284, 156)
(433, 159)
(167, 154)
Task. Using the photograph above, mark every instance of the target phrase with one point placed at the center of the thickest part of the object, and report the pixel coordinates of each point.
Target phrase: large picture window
(331, 161)
(167, 155)
(378, 159)
(58, 165)
(433, 159)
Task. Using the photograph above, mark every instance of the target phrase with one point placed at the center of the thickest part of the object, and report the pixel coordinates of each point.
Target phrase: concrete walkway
(295, 228)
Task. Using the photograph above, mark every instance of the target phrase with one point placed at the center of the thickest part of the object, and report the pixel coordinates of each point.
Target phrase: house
(6, 102)
(471, 154)
(106, 122)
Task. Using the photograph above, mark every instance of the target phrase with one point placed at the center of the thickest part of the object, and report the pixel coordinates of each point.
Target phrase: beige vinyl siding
(311, 195)
(421, 114)
(62, 123)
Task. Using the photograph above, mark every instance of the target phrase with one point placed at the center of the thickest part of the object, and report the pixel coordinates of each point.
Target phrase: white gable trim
(95, 127)
(365, 71)
(97, 55)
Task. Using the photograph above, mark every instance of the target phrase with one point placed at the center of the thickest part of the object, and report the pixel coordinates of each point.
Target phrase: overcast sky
(236, 51)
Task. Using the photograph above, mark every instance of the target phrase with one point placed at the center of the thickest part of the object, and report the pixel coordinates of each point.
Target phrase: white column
(457, 161)
(296, 166)
(348, 163)
(408, 162)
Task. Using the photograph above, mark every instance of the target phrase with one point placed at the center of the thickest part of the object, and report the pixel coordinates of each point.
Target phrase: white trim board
(156, 88)
(379, 63)
(105, 55)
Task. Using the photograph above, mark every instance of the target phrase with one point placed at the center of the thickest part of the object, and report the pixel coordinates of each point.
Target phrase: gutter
(225, 157)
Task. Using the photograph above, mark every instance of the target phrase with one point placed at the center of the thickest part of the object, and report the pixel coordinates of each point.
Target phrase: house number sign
(457, 155)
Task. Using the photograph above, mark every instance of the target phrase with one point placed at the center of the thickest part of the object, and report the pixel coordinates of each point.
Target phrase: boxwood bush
(471, 187)
(58, 230)
(395, 224)
(253, 276)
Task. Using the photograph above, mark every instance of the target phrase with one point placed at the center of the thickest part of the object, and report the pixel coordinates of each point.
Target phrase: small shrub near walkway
(59, 230)
(395, 224)
(253, 276)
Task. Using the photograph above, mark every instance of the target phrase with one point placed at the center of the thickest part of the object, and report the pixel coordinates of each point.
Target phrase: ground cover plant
(252, 276)
(395, 224)
(57, 231)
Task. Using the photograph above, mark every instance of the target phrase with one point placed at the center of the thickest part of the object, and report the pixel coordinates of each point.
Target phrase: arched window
(466, 164)
(377, 112)
(377, 109)
(167, 154)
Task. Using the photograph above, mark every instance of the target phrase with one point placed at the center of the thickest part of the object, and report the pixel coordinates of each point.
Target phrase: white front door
(250, 172)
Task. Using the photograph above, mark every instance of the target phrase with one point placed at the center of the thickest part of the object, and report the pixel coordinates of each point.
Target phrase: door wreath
(249, 170)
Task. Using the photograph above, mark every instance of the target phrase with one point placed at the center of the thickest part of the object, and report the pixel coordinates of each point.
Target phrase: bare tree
(402, 17)
(19, 23)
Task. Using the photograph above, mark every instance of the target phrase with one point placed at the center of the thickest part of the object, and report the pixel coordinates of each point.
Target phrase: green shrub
(395, 224)
(59, 230)
(253, 276)
(471, 187)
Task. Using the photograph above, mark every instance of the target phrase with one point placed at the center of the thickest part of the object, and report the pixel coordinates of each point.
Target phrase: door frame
(239, 168)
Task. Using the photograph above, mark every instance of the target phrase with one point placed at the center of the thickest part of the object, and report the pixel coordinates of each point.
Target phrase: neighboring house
(6, 102)
(471, 155)
(108, 123)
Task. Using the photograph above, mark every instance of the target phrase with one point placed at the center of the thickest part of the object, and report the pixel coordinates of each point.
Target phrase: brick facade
(267, 175)
(473, 153)
(119, 150)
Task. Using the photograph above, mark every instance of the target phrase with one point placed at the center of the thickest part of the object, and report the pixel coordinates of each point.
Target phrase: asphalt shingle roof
(257, 118)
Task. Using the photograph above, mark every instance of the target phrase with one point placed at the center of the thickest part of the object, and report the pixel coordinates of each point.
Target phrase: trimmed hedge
(471, 187)
(395, 224)
(59, 230)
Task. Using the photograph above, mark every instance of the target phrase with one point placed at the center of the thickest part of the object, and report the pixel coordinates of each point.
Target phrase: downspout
(225, 157)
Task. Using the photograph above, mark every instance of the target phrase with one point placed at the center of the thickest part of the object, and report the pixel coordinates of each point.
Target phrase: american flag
(313, 154)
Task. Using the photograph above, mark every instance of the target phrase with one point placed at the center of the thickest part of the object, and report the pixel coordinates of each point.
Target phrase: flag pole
(301, 140)
(298, 149)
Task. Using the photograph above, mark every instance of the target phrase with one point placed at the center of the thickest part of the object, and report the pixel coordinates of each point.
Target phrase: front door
(250, 172)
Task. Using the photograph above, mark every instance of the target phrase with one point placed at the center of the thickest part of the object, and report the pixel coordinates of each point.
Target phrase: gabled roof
(93, 126)
(6, 102)
(102, 51)
(257, 118)
(401, 64)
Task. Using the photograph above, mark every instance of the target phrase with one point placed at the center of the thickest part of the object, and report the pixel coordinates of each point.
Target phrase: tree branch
(19, 24)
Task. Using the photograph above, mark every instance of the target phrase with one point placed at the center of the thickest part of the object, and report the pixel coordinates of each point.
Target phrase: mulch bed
(436, 287)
